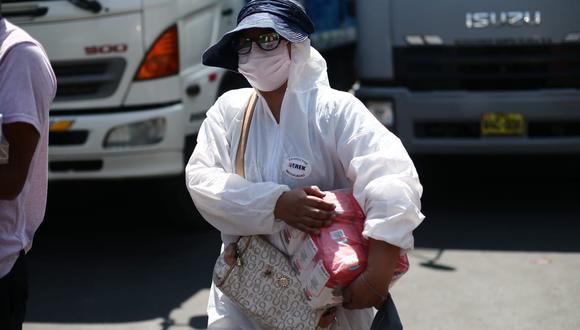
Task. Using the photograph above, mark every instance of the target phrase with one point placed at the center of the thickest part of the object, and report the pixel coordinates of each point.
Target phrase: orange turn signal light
(162, 59)
(60, 125)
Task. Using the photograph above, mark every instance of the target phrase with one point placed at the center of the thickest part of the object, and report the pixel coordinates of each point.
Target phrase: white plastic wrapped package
(288, 240)
(332, 260)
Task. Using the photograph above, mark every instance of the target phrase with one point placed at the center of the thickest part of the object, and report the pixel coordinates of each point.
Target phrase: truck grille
(479, 68)
(92, 79)
(68, 138)
(76, 166)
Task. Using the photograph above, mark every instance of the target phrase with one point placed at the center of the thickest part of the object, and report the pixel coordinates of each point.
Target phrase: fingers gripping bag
(328, 262)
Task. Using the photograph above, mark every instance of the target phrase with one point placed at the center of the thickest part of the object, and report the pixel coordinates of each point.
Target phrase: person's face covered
(263, 58)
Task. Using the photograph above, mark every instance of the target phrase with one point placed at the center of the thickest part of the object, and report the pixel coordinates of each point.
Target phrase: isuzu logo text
(481, 20)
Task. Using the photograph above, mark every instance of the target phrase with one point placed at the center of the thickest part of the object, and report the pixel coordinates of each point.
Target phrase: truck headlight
(383, 110)
(136, 134)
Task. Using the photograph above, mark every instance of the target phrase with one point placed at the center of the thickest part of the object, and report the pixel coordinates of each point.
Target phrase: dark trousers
(387, 318)
(13, 295)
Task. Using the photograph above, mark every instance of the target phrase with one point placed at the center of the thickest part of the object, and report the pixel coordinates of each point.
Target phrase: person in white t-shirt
(27, 88)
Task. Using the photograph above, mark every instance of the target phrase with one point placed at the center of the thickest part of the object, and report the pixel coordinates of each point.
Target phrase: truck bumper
(450, 122)
(73, 158)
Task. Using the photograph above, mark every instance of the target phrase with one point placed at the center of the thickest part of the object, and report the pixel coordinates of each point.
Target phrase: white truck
(132, 91)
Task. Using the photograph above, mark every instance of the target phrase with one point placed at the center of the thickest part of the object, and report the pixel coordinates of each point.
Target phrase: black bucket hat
(287, 17)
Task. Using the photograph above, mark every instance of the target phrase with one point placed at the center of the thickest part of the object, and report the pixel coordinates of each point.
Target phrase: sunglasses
(266, 41)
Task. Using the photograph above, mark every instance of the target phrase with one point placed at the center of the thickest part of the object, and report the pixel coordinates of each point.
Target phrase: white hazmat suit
(326, 138)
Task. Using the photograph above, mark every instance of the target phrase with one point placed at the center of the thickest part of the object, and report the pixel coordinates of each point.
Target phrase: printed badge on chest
(297, 168)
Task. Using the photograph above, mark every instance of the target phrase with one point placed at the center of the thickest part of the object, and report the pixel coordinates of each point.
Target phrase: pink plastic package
(331, 261)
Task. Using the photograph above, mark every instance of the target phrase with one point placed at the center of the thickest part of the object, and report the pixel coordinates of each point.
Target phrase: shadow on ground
(110, 253)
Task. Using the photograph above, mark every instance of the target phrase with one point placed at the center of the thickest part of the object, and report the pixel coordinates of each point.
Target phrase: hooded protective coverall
(326, 138)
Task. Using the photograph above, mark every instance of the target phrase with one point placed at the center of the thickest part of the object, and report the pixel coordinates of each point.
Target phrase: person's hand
(370, 287)
(303, 208)
(327, 318)
(364, 292)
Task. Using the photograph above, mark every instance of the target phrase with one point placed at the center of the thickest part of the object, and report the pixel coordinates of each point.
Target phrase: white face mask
(266, 70)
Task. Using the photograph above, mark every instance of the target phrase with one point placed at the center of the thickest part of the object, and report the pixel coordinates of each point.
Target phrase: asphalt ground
(499, 249)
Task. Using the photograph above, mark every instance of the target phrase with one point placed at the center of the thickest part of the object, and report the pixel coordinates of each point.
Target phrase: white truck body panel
(98, 90)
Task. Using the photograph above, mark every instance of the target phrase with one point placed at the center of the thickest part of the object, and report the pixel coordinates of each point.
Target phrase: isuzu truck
(473, 77)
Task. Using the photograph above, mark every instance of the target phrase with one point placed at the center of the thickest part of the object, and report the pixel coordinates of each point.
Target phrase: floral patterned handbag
(258, 277)
(260, 280)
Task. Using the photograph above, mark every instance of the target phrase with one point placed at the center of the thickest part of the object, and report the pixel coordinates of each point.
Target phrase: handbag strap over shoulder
(244, 135)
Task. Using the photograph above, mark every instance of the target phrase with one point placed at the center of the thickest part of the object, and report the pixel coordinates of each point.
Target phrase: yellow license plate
(502, 124)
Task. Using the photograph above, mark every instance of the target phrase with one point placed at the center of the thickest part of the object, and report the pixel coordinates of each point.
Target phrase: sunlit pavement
(455, 289)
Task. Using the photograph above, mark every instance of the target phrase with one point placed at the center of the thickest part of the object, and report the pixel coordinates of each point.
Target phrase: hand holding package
(332, 260)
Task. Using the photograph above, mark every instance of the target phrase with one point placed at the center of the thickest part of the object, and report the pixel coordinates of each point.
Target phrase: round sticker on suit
(297, 168)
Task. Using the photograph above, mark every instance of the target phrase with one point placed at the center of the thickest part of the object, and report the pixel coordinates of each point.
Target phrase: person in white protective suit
(305, 138)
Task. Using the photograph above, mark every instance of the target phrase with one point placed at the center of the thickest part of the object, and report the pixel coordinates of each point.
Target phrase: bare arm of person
(366, 290)
(23, 139)
(303, 208)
